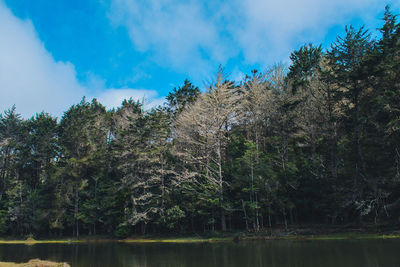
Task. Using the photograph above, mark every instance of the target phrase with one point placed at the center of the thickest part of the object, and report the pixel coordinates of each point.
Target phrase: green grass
(175, 240)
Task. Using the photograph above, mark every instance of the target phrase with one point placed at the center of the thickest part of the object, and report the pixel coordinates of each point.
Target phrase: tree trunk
(221, 192)
(245, 216)
(360, 165)
(285, 219)
(3, 175)
(269, 216)
(257, 222)
(76, 210)
(332, 153)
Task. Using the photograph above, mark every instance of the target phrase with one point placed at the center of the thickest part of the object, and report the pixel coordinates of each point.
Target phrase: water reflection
(365, 253)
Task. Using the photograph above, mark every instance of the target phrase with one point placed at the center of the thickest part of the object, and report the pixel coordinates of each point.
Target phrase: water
(351, 253)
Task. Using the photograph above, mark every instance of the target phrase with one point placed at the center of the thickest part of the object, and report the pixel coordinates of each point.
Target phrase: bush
(122, 231)
(3, 221)
(174, 216)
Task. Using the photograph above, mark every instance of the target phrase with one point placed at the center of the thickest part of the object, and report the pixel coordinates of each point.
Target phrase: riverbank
(229, 237)
(35, 263)
(259, 237)
(31, 241)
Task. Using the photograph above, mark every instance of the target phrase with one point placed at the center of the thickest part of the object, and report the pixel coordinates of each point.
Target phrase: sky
(52, 53)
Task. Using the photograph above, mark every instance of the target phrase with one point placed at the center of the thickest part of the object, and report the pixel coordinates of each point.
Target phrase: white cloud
(113, 98)
(180, 34)
(29, 76)
(271, 29)
(193, 36)
(34, 81)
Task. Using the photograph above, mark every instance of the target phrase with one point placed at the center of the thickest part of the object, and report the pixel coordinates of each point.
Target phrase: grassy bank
(31, 241)
(236, 238)
(220, 238)
(35, 263)
(176, 240)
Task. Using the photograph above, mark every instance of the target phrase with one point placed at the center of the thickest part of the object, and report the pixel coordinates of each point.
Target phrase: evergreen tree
(182, 96)
(346, 60)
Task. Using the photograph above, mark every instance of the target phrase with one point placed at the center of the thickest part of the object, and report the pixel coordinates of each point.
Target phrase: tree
(84, 137)
(382, 113)
(347, 70)
(10, 130)
(180, 97)
(142, 142)
(305, 64)
(202, 134)
(41, 150)
(12, 184)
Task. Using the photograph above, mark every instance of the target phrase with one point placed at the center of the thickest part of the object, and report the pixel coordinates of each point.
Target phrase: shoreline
(34, 263)
(226, 238)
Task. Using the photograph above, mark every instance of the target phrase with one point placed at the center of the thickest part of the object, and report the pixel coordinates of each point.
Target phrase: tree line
(317, 142)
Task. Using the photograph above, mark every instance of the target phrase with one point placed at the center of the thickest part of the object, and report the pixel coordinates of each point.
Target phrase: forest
(317, 142)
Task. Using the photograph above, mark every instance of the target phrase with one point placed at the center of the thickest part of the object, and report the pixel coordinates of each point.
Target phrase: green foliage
(122, 231)
(305, 64)
(174, 216)
(317, 144)
(182, 96)
(3, 222)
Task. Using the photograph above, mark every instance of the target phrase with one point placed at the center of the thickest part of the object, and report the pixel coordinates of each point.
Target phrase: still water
(351, 253)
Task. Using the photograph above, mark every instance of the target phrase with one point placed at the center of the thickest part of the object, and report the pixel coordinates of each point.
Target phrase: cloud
(29, 76)
(271, 29)
(113, 98)
(193, 36)
(178, 34)
(34, 81)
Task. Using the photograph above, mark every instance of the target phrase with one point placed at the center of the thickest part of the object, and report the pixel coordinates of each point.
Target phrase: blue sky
(54, 52)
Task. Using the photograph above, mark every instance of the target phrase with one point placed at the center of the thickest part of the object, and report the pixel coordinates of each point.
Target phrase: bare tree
(202, 133)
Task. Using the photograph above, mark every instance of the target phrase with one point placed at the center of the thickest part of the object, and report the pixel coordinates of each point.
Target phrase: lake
(276, 253)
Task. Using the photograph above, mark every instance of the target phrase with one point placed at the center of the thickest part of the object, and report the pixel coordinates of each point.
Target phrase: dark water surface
(351, 253)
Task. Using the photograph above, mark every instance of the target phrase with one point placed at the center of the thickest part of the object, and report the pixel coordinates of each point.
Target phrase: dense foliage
(316, 143)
